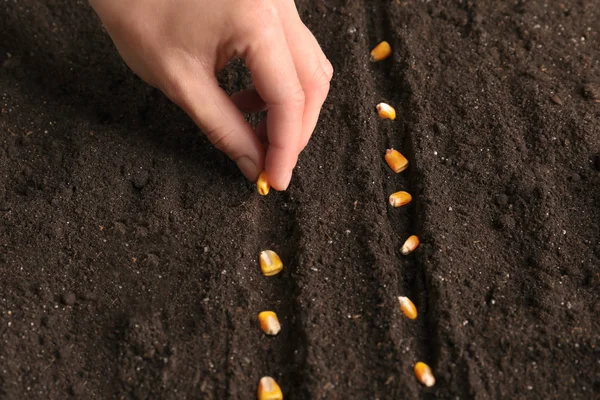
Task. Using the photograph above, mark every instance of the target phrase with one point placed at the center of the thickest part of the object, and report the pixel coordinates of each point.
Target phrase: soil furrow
(390, 82)
(373, 237)
(282, 356)
(419, 277)
(494, 181)
(342, 336)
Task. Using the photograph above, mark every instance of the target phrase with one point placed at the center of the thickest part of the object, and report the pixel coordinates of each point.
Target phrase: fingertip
(280, 181)
(287, 178)
(279, 165)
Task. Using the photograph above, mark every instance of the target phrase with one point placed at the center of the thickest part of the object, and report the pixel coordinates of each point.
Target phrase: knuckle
(323, 77)
(175, 90)
(264, 20)
(320, 81)
(265, 9)
(267, 33)
(297, 97)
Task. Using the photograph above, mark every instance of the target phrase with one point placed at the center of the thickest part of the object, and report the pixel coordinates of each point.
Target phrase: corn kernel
(396, 160)
(268, 389)
(270, 263)
(410, 245)
(386, 111)
(400, 199)
(269, 323)
(262, 185)
(407, 307)
(382, 51)
(424, 374)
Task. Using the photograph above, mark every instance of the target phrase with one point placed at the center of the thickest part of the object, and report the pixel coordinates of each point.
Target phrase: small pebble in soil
(505, 222)
(68, 298)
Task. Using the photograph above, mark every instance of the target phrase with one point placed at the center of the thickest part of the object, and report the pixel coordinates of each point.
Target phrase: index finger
(276, 81)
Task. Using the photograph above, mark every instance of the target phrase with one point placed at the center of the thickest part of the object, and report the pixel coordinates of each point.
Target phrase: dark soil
(128, 250)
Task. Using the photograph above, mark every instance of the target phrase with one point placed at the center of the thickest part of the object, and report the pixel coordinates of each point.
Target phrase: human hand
(179, 45)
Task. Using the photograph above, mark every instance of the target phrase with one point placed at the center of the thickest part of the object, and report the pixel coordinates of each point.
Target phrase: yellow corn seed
(410, 245)
(269, 323)
(424, 374)
(407, 307)
(396, 160)
(400, 199)
(270, 263)
(382, 51)
(386, 111)
(262, 185)
(268, 389)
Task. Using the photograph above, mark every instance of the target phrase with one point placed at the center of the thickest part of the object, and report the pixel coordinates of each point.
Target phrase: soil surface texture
(129, 245)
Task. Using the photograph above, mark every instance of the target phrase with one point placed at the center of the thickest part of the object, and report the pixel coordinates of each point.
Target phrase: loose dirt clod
(591, 91)
(68, 298)
(152, 261)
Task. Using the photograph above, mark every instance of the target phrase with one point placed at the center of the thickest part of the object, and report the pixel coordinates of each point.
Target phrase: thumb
(222, 123)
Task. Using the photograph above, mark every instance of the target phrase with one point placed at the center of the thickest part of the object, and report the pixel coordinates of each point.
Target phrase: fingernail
(248, 168)
(286, 181)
